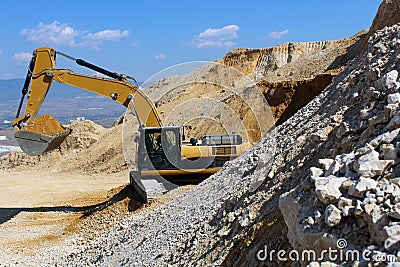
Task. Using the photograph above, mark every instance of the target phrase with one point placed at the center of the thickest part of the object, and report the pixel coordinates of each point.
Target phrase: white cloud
(97, 39)
(161, 56)
(216, 38)
(23, 57)
(64, 35)
(9, 75)
(277, 35)
(54, 34)
(1, 51)
(107, 35)
(135, 44)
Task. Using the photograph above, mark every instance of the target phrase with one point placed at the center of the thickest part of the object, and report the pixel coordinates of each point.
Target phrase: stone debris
(361, 187)
(369, 165)
(358, 193)
(332, 215)
(328, 189)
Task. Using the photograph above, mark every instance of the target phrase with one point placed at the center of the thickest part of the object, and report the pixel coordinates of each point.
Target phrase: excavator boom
(42, 72)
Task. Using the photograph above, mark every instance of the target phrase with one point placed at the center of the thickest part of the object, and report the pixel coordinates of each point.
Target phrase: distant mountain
(11, 90)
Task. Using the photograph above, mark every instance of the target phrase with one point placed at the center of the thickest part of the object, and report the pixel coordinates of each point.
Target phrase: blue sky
(140, 38)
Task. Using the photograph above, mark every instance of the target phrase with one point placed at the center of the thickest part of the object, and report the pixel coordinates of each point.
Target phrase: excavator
(163, 155)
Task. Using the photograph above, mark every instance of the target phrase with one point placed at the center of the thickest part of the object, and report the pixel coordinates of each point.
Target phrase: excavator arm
(42, 72)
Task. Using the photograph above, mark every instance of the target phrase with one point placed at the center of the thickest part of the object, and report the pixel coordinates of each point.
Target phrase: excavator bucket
(35, 144)
(42, 134)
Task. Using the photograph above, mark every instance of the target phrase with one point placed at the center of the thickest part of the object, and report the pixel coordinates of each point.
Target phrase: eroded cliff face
(293, 61)
(286, 97)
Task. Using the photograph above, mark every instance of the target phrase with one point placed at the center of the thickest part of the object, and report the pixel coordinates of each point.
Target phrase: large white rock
(343, 202)
(327, 163)
(389, 80)
(332, 215)
(393, 98)
(369, 165)
(327, 189)
(376, 221)
(316, 172)
(362, 186)
(298, 238)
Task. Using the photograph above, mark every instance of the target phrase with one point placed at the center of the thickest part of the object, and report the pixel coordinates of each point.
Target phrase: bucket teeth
(35, 144)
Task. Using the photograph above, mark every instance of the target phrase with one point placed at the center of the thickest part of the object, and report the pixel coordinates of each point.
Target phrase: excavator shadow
(7, 214)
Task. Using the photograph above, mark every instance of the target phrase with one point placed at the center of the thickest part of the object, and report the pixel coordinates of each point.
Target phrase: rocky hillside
(352, 192)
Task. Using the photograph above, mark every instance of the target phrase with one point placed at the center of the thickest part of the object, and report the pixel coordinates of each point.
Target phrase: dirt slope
(89, 149)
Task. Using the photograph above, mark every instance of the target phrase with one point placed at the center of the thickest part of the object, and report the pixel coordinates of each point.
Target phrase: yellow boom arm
(43, 72)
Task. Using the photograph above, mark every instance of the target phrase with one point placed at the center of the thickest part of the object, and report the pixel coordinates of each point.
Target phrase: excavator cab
(159, 148)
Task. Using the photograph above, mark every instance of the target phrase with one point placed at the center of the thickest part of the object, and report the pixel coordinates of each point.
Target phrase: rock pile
(84, 135)
(356, 195)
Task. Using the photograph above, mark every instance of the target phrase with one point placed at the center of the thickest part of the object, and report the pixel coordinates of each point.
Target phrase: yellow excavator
(162, 155)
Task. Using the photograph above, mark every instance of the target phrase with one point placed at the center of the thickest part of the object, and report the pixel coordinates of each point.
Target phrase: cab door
(171, 146)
